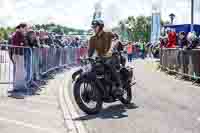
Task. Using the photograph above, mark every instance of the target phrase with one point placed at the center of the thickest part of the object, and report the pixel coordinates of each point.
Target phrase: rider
(101, 44)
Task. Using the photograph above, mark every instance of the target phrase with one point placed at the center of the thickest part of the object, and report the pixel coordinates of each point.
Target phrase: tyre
(84, 96)
(127, 97)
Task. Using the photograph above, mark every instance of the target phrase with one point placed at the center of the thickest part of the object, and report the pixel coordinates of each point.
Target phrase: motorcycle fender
(92, 77)
(87, 76)
(75, 74)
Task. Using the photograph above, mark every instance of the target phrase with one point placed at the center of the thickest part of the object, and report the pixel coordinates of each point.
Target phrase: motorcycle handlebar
(92, 60)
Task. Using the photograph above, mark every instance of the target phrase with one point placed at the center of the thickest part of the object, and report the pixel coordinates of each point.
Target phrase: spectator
(75, 42)
(43, 37)
(10, 49)
(37, 37)
(183, 43)
(149, 50)
(134, 50)
(49, 40)
(142, 49)
(171, 40)
(193, 40)
(162, 42)
(129, 51)
(117, 45)
(18, 39)
(32, 42)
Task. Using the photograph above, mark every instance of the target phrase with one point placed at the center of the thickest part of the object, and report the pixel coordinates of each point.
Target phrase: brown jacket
(101, 43)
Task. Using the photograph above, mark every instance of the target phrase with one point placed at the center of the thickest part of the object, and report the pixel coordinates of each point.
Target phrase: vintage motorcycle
(93, 84)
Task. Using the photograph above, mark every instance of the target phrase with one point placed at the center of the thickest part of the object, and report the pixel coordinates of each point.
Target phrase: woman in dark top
(182, 40)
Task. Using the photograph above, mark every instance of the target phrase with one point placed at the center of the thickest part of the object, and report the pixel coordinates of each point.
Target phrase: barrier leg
(27, 64)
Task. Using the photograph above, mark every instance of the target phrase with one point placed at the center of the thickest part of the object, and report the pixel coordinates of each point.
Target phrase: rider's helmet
(96, 23)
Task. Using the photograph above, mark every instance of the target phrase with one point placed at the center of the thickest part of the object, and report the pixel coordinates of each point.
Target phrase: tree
(4, 32)
(138, 28)
(5, 35)
(1, 36)
(57, 30)
(122, 29)
(164, 23)
(37, 26)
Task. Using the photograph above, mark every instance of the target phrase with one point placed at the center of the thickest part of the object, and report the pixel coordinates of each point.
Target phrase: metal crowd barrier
(20, 66)
(182, 62)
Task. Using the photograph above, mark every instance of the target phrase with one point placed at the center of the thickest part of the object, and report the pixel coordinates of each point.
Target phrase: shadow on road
(112, 112)
(36, 86)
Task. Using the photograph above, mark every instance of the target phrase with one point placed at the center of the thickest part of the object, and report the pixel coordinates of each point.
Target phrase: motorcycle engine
(99, 69)
(126, 74)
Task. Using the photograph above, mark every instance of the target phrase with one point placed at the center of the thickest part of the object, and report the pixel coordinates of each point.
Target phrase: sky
(78, 13)
(181, 8)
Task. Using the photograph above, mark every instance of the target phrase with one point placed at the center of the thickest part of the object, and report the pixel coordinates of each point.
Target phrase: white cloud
(6, 8)
(78, 13)
(182, 10)
(74, 13)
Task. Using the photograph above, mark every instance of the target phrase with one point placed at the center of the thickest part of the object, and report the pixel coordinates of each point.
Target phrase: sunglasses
(94, 26)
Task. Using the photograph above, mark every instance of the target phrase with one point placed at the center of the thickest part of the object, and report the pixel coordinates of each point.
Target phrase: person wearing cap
(101, 41)
(101, 44)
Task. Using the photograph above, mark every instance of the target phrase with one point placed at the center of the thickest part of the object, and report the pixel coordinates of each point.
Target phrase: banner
(155, 27)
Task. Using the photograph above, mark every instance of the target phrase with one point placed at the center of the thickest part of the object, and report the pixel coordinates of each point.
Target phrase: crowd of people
(32, 52)
(26, 40)
(136, 50)
(42, 39)
(132, 49)
(172, 39)
(179, 40)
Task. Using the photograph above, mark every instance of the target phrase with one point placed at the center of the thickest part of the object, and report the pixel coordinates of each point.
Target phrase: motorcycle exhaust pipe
(130, 85)
(133, 83)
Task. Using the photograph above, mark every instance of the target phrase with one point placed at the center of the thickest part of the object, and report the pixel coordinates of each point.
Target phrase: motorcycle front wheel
(85, 92)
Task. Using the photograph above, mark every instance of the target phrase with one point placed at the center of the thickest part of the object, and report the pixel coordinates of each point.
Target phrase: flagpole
(192, 14)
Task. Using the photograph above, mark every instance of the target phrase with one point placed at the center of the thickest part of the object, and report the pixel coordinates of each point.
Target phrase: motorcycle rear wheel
(80, 100)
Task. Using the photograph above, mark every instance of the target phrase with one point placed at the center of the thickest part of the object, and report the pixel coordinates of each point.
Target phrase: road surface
(34, 114)
(162, 105)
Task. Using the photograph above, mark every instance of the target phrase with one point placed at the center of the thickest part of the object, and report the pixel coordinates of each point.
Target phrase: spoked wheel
(87, 96)
(127, 96)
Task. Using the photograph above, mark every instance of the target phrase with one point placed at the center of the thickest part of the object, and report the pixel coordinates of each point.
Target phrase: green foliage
(58, 28)
(5, 32)
(164, 23)
(136, 28)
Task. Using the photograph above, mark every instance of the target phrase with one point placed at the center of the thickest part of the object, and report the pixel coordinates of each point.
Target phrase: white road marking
(24, 109)
(28, 125)
(67, 118)
(198, 119)
(79, 125)
(42, 101)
